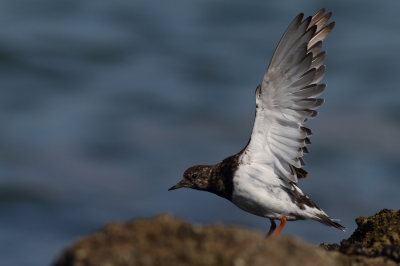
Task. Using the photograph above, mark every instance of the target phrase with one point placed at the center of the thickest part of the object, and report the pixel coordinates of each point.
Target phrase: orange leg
(272, 229)
(283, 222)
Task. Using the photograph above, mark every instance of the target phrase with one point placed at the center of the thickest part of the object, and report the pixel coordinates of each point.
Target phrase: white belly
(263, 194)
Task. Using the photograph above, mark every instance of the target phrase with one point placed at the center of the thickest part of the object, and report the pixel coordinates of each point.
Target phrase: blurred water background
(104, 104)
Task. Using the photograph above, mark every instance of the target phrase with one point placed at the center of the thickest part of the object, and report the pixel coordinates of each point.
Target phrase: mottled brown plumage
(217, 179)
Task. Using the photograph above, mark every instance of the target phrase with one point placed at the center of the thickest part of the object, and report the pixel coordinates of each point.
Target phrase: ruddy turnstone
(262, 177)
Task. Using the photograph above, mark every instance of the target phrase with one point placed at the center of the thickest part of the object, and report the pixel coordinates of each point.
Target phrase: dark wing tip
(329, 221)
(301, 173)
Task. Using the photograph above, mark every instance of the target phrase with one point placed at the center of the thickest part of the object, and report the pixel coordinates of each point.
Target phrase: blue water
(104, 104)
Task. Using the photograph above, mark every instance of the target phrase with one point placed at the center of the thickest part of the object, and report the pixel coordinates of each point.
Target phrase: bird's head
(195, 177)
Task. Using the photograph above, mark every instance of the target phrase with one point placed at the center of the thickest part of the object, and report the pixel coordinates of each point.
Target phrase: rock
(377, 231)
(165, 240)
(375, 236)
(330, 247)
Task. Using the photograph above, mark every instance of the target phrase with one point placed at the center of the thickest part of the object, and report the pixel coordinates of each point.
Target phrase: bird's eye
(194, 175)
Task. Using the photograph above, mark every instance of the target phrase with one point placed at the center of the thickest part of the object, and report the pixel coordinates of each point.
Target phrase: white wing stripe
(284, 156)
(288, 132)
(291, 153)
(296, 116)
(289, 141)
(286, 169)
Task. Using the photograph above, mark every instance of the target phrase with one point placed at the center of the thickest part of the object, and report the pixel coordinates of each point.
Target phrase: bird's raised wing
(287, 98)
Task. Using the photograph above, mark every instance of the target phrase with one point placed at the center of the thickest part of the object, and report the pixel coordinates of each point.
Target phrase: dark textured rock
(377, 231)
(330, 247)
(353, 249)
(375, 236)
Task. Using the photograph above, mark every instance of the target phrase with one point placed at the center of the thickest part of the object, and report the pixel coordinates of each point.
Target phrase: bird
(262, 178)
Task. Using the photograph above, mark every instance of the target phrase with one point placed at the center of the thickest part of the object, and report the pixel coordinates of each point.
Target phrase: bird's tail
(326, 220)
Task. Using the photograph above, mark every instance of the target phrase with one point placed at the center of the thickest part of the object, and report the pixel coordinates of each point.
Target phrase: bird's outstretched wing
(287, 98)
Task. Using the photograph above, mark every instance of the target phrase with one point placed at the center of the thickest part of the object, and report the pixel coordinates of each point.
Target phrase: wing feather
(289, 141)
(303, 81)
(318, 60)
(287, 97)
(319, 74)
(314, 49)
(276, 57)
(317, 17)
(321, 21)
(305, 104)
(322, 34)
(310, 91)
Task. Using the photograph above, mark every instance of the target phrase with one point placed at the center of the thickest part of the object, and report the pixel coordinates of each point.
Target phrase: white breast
(259, 191)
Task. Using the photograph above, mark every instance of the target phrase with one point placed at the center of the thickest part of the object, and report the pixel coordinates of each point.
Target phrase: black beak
(183, 183)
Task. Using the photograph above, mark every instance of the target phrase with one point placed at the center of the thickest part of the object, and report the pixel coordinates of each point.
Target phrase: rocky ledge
(375, 236)
(165, 240)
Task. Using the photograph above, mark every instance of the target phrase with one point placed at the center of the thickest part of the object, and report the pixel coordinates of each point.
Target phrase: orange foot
(273, 227)
(283, 222)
